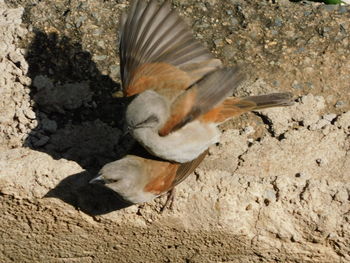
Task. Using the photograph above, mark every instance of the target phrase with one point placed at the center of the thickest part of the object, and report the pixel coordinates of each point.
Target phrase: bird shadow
(91, 199)
(77, 119)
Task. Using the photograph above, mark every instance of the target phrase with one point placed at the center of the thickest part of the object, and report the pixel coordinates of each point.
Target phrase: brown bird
(181, 96)
(175, 80)
(142, 178)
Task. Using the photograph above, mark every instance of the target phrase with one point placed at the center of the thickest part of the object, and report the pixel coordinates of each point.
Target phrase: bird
(174, 80)
(181, 95)
(141, 177)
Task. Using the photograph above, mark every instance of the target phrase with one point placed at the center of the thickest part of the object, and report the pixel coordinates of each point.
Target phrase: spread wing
(151, 34)
(202, 97)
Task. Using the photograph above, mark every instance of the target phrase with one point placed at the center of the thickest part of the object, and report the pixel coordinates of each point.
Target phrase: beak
(117, 94)
(98, 180)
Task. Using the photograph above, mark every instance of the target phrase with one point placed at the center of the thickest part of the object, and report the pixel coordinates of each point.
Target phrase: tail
(268, 101)
(232, 106)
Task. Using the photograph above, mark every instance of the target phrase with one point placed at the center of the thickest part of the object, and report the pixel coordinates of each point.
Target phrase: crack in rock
(306, 186)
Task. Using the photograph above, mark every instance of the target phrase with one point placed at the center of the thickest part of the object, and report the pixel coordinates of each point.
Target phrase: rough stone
(276, 187)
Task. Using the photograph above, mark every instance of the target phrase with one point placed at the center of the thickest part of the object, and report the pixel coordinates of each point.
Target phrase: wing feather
(186, 169)
(202, 97)
(153, 33)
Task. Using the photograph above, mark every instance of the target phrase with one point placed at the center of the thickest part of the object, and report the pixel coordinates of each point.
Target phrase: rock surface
(276, 188)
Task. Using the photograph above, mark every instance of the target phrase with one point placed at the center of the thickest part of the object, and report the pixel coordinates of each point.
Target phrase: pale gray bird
(176, 81)
(140, 179)
(181, 97)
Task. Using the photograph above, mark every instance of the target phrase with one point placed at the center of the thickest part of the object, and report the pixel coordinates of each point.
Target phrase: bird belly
(181, 146)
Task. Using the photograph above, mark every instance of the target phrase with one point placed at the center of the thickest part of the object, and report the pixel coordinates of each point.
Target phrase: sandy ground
(275, 189)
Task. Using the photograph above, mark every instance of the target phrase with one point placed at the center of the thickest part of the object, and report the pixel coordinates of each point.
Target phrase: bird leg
(169, 201)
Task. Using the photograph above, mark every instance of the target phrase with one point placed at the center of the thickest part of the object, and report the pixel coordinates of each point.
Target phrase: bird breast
(181, 146)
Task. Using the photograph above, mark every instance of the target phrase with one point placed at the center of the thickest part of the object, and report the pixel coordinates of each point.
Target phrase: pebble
(327, 29)
(33, 124)
(274, 32)
(319, 125)
(97, 32)
(101, 44)
(25, 80)
(29, 113)
(309, 85)
(276, 83)
(307, 13)
(248, 130)
(212, 2)
(296, 85)
(330, 7)
(278, 22)
(234, 21)
(80, 21)
(339, 104)
(218, 42)
(270, 194)
(115, 70)
(329, 117)
(99, 57)
(342, 9)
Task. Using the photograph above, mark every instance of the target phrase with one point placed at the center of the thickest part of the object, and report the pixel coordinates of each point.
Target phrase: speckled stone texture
(275, 189)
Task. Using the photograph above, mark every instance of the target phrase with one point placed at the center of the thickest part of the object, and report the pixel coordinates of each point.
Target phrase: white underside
(134, 194)
(181, 146)
(139, 197)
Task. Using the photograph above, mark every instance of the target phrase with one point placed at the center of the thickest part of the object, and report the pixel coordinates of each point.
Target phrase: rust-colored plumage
(158, 53)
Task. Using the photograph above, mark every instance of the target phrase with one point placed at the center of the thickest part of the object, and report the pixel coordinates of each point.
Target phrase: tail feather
(232, 106)
(269, 100)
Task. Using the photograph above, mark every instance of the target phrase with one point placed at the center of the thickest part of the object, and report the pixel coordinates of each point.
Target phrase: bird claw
(169, 203)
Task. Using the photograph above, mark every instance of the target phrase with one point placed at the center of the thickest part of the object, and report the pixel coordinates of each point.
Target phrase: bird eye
(150, 119)
(110, 181)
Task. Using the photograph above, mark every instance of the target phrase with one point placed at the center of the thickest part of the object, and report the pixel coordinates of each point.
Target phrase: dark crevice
(275, 188)
(266, 120)
(306, 186)
(281, 137)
